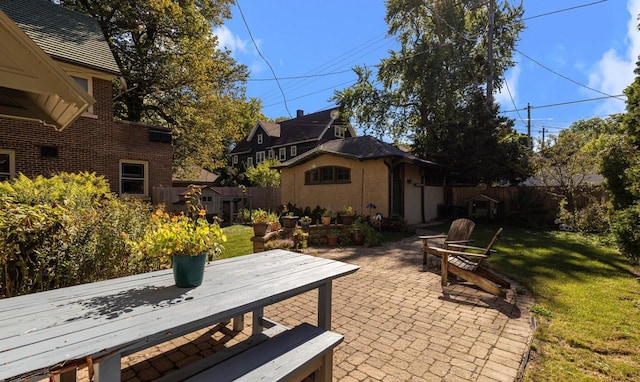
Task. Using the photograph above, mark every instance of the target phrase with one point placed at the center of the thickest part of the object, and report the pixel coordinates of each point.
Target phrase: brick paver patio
(398, 323)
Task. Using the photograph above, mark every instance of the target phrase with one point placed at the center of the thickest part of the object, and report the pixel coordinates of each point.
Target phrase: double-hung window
(294, 151)
(259, 157)
(134, 177)
(282, 154)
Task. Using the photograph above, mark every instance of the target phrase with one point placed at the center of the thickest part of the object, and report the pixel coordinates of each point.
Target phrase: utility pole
(543, 138)
(490, 54)
(529, 126)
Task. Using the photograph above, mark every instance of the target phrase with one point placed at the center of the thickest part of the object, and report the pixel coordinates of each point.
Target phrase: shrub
(625, 228)
(394, 222)
(64, 230)
(593, 218)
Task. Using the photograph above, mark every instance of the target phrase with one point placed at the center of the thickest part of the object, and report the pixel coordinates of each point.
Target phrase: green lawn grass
(587, 303)
(238, 241)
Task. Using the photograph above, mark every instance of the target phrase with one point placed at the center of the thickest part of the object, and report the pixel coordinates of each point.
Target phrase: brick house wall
(95, 143)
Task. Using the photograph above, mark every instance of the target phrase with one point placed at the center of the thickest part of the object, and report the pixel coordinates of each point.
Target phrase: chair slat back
(460, 229)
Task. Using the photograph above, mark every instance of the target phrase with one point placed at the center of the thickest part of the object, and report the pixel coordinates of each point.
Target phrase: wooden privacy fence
(222, 200)
(515, 199)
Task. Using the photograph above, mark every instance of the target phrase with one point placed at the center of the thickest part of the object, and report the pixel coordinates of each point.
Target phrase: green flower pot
(188, 271)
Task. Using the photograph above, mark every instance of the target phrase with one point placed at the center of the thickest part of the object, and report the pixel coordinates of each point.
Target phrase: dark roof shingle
(364, 147)
(62, 33)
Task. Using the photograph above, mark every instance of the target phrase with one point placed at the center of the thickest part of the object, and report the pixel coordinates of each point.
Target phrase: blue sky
(563, 58)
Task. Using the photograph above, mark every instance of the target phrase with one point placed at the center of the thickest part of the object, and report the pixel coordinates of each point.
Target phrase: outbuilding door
(397, 191)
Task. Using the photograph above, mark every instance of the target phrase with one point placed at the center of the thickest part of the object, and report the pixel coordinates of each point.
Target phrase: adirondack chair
(465, 262)
(459, 233)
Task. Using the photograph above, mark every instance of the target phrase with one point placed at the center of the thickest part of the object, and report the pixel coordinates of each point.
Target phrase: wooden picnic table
(46, 333)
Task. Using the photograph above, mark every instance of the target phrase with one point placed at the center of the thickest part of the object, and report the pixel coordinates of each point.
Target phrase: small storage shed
(482, 207)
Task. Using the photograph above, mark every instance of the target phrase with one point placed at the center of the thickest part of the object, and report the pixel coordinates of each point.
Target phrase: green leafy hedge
(65, 230)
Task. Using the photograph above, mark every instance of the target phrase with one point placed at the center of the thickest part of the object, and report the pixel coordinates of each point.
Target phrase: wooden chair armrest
(461, 246)
(453, 242)
(432, 237)
(458, 253)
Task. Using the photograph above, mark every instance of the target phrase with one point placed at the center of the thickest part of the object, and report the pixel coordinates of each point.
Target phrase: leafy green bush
(64, 230)
(624, 226)
(593, 218)
(394, 222)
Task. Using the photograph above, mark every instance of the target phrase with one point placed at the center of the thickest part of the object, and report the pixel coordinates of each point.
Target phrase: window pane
(133, 170)
(343, 174)
(5, 166)
(327, 174)
(132, 186)
(83, 82)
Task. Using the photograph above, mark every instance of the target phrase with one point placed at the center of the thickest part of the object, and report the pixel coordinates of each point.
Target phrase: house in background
(290, 138)
(56, 109)
(356, 171)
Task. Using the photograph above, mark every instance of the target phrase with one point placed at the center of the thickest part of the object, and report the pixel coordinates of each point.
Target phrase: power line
(566, 103)
(265, 60)
(506, 84)
(299, 77)
(563, 10)
(565, 77)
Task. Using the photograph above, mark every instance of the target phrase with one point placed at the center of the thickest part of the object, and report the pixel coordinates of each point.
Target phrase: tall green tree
(621, 169)
(175, 74)
(432, 90)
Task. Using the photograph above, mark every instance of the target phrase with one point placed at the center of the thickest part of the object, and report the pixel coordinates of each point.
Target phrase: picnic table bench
(52, 333)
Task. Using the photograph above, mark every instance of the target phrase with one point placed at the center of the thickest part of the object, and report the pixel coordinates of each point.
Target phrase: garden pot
(188, 271)
(275, 226)
(346, 219)
(305, 224)
(326, 220)
(260, 229)
(332, 240)
(357, 238)
(290, 221)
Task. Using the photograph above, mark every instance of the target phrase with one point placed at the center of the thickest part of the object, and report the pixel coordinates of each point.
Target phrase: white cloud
(509, 90)
(228, 40)
(614, 71)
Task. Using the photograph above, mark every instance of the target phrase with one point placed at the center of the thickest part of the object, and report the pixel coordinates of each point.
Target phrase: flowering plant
(305, 219)
(348, 211)
(178, 235)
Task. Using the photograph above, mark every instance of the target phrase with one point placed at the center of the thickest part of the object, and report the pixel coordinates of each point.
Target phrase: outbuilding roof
(364, 147)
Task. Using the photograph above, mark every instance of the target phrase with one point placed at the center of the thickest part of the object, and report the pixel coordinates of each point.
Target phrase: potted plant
(300, 238)
(182, 242)
(274, 219)
(260, 222)
(332, 236)
(326, 217)
(347, 215)
(290, 220)
(357, 230)
(305, 221)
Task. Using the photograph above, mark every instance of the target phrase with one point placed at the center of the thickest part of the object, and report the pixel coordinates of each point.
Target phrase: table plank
(128, 314)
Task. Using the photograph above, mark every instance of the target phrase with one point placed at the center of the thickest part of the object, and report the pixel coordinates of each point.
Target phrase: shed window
(327, 175)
